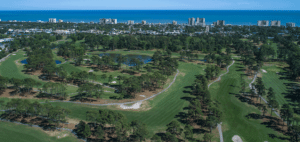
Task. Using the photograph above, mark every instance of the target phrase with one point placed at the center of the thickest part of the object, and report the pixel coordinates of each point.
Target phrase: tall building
(275, 23)
(174, 22)
(206, 29)
(290, 24)
(0, 20)
(200, 22)
(130, 22)
(263, 23)
(221, 23)
(192, 21)
(143, 22)
(215, 23)
(114, 21)
(108, 21)
(60, 21)
(52, 20)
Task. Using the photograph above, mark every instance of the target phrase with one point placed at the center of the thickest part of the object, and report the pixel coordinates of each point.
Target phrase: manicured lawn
(164, 107)
(10, 132)
(234, 121)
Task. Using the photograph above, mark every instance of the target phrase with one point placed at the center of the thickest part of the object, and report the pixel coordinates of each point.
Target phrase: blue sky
(150, 5)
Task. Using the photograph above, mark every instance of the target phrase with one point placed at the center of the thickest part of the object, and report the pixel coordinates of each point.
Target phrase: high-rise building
(192, 21)
(108, 21)
(0, 20)
(130, 22)
(215, 23)
(200, 21)
(114, 21)
(174, 22)
(52, 20)
(206, 29)
(143, 22)
(60, 21)
(290, 24)
(275, 23)
(263, 23)
(221, 23)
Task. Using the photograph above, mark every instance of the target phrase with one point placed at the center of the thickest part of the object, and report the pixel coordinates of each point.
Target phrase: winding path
(125, 102)
(219, 78)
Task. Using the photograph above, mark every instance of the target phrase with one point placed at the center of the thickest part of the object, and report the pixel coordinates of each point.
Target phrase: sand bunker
(236, 138)
(13, 54)
(134, 106)
(91, 70)
(143, 96)
(114, 82)
(264, 71)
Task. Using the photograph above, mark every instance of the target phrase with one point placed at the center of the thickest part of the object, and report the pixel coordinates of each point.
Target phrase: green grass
(235, 111)
(10, 132)
(164, 107)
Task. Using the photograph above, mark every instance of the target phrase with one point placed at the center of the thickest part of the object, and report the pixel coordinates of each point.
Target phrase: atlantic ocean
(234, 17)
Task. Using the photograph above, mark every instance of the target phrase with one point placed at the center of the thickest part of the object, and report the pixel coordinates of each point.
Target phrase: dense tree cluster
(25, 108)
(119, 129)
(20, 85)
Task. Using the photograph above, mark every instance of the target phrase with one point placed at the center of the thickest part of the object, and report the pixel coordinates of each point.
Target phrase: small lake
(25, 61)
(144, 58)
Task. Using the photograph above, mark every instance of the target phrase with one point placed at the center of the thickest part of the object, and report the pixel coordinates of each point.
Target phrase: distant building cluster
(219, 23)
(174, 22)
(275, 23)
(108, 21)
(143, 22)
(290, 24)
(52, 20)
(130, 22)
(199, 21)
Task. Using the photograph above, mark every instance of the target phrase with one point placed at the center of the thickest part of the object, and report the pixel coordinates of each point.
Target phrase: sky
(150, 5)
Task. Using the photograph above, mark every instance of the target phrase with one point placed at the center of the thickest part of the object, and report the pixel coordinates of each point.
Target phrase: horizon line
(144, 10)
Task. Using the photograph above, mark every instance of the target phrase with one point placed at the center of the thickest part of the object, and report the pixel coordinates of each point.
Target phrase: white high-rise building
(192, 21)
(221, 23)
(130, 22)
(263, 23)
(52, 20)
(60, 21)
(206, 29)
(200, 21)
(275, 23)
(290, 24)
(108, 21)
(143, 22)
(174, 22)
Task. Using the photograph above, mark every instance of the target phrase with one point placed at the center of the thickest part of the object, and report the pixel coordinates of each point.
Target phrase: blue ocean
(234, 17)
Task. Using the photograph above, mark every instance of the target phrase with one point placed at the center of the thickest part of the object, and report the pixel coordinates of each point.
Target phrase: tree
(87, 131)
(207, 137)
(174, 128)
(156, 138)
(286, 112)
(100, 133)
(171, 137)
(188, 132)
(103, 76)
(273, 104)
(110, 78)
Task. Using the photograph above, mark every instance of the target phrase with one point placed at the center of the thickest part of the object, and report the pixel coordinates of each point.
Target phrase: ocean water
(234, 17)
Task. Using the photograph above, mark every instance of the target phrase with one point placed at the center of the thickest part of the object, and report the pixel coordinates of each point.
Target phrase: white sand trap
(13, 54)
(264, 71)
(134, 106)
(91, 70)
(114, 82)
(115, 77)
(143, 96)
(236, 138)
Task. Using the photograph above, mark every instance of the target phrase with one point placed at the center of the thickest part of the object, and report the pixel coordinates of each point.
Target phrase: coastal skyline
(234, 17)
(151, 5)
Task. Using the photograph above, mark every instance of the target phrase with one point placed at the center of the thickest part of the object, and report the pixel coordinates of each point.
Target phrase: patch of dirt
(181, 73)
(144, 107)
(18, 63)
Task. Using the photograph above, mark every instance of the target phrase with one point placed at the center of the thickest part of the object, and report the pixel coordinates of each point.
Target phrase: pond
(25, 61)
(144, 58)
